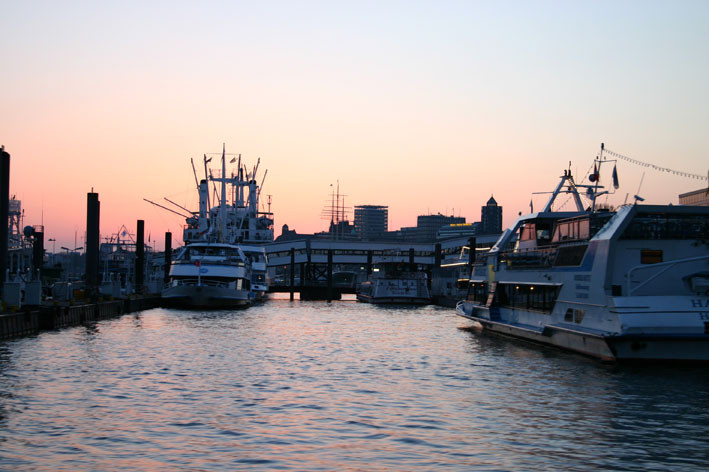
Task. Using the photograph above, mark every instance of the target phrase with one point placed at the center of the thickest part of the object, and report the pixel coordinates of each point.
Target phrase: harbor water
(335, 386)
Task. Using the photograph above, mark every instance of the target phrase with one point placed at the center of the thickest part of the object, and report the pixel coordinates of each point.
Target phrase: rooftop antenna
(222, 203)
(263, 179)
(194, 171)
(595, 189)
(637, 196)
(206, 177)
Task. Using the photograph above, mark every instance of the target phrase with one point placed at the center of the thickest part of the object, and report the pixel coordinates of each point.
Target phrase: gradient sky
(421, 106)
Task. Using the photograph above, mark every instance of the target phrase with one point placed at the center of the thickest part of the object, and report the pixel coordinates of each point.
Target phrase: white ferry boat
(209, 275)
(615, 285)
(258, 276)
(392, 283)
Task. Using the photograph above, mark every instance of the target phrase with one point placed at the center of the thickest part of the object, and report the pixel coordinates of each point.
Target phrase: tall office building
(491, 218)
(371, 221)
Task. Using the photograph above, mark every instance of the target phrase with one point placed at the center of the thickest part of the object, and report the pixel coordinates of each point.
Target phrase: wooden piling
(329, 275)
(93, 214)
(168, 255)
(4, 211)
(140, 257)
(292, 274)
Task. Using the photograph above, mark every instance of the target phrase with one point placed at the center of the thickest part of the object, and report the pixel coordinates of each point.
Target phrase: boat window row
(527, 296)
(569, 255)
(667, 226)
(212, 251)
(538, 232)
(352, 252)
(230, 282)
(572, 230)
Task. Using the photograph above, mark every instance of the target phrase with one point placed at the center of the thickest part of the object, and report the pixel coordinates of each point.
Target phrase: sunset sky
(422, 106)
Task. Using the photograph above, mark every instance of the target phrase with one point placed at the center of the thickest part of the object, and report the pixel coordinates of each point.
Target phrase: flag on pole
(615, 178)
(531, 207)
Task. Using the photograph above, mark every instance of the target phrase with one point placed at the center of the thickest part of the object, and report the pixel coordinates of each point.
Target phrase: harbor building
(428, 225)
(458, 230)
(491, 218)
(697, 197)
(371, 221)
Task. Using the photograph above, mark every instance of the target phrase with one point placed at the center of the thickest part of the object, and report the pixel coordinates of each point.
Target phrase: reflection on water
(341, 386)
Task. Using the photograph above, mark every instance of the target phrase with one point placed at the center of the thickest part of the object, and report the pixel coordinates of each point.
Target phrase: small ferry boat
(209, 275)
(615, 285)
(394, 283)
(258, 275)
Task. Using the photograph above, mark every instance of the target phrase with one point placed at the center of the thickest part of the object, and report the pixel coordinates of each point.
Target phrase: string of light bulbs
(657, 168)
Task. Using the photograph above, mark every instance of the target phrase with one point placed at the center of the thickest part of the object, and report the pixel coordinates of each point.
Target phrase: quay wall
(33, 320)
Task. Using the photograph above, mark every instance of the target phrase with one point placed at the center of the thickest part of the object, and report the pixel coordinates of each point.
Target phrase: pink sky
(418, 106)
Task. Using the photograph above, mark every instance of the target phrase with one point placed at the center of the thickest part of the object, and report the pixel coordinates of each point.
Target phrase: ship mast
(222, 203)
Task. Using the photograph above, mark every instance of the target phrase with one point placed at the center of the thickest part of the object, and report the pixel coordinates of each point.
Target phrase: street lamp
(71, 258)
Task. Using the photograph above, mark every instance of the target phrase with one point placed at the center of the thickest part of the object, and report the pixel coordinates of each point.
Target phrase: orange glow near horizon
(422, 109)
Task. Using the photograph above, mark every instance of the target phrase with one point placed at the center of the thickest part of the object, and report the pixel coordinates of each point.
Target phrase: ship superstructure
(223, 262)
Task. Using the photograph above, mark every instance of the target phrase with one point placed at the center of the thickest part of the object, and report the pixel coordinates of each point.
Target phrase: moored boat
(616, 285)
(223, 262)
(209, 275)
(393, 283)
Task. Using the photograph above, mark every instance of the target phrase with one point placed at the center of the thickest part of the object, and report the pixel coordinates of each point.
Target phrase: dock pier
(32, 320)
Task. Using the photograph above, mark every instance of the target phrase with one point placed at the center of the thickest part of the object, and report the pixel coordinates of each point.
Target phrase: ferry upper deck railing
(209, 260)
(666, 266)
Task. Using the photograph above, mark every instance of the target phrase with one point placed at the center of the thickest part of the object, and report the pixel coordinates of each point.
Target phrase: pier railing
(663, 266)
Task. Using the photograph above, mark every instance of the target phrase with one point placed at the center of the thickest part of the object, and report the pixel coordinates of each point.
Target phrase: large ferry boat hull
(603, 346)
(205, 297)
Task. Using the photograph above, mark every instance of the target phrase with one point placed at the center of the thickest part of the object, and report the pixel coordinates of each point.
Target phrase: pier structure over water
(325, 269)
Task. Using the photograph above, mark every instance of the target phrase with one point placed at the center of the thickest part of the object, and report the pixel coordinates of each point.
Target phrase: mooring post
(302, 275)
(4, 211)
(140, 257)
(438, 255)
(329, 275)
(308, 267)
(292, 273)
(168, 255)
(369, 263)
(93, 213)
(38, 249)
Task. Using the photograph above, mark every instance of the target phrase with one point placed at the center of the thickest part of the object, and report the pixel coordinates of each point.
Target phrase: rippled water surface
(341, 386)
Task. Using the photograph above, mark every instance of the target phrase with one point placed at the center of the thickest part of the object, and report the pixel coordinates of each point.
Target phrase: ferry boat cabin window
(667, 226)
(528, 232)
(543, 233)
(572, 230)
(478, 292)
(539, 298)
